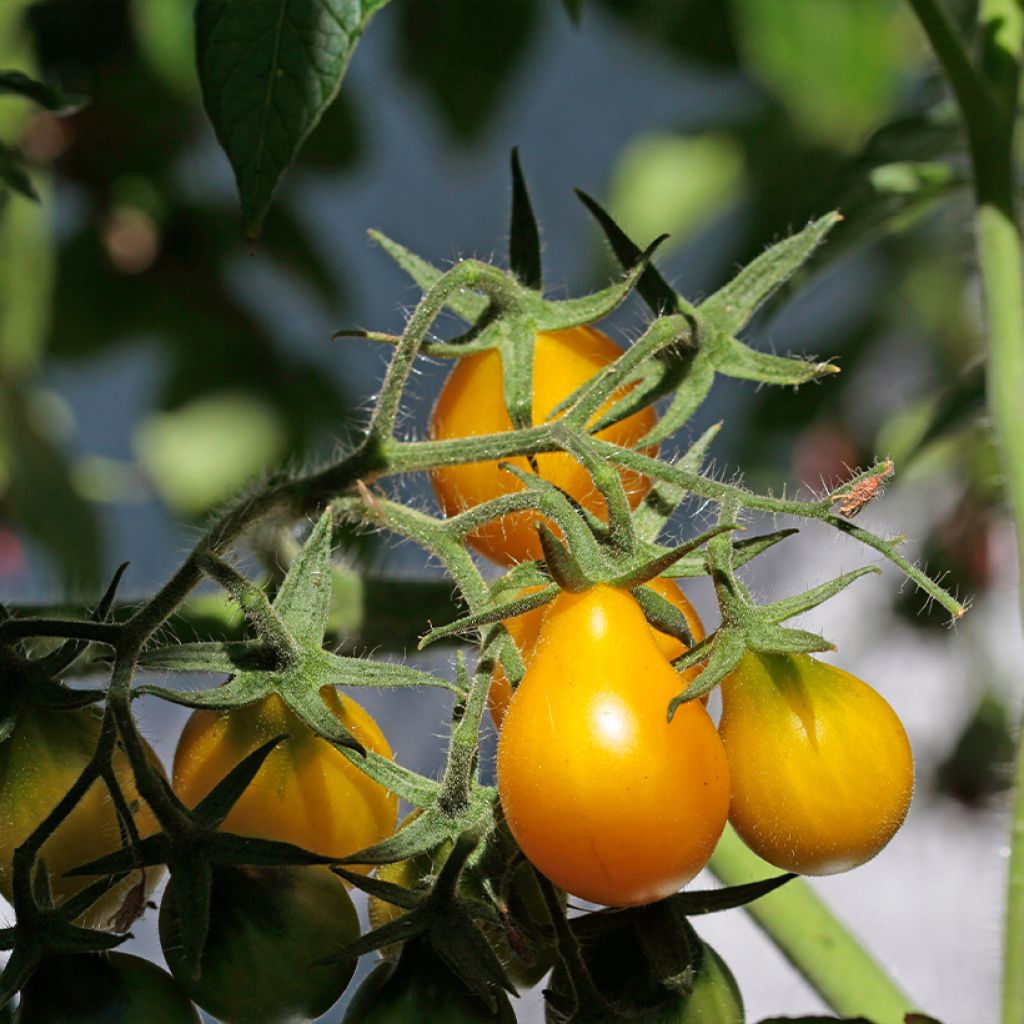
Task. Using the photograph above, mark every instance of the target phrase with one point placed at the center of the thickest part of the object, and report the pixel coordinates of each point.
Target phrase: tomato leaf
(289, 56)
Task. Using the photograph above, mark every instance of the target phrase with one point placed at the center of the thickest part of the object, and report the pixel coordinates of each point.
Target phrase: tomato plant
(525, 629)
(39, 762)
(842, 772)
(609, 800)
(103, 988)
(267, 927)
(306, 792)
(469, 406)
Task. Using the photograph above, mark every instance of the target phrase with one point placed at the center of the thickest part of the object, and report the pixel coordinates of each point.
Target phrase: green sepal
(217, 804)
(563, 568)
(467, 304)
(723, 651)
(62, 659)
(732, 306)
(663, 615)
(653, 289)
(192, 889)
(662, 562)
(779, 611)
(509, 610)
(523, 237)
(209, 656)
(300, 602)
(711, 901)
(741, 361)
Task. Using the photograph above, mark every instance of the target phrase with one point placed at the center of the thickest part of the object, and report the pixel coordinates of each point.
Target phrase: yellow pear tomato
(470, 405)
(821, 767)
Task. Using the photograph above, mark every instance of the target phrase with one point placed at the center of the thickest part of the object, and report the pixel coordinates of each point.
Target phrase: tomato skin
(39, 762)
(419, 987)
(103, 988)
(608, 799)
(470, 405)
(267, 926)
(524, 630)
(306, 792)
(841, 769)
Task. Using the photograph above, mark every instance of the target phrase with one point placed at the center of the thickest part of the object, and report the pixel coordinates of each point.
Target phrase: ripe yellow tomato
(525, 629)
(607, 798)
(306, 792)
(822, 771)
(470, 404)
(39, 762)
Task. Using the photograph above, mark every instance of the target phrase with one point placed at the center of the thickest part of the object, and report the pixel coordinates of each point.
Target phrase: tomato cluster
(608, 797)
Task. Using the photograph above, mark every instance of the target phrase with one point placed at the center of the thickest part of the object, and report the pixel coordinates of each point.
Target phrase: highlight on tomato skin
(468, 407)
(524, 630)
(821, 766)
(307, 792)
(608, 799)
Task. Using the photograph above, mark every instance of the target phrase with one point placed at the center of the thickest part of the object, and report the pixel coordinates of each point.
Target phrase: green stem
(989, 112)
(821, 948)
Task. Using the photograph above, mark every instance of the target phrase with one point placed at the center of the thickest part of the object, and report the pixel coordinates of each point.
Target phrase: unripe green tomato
(103, 988)
(623, 976)
(39, 762)
(267, 926)
(419, 988)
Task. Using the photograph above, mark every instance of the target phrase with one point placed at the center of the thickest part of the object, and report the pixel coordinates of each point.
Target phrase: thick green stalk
(821, 948)
(988, 99)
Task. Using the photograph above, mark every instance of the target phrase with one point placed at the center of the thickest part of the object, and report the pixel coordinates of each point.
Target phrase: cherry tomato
(527, 958)
(267, 927)
(39, 762)
(103, 988)
(624, 976)
(524, 630)
(607, 798)
(822, 771)
(469, 405)
(419, 987)
(307, 792)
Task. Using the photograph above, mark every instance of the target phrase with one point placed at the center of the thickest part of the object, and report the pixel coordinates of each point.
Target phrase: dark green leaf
(217, 804)
(269, 69)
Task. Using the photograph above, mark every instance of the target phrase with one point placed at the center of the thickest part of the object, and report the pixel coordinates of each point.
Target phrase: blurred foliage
(146, 254)
(981, 762)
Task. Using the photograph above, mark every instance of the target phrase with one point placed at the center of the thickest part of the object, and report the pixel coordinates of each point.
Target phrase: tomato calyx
(748, 626)
(42, 930)
(444, 916)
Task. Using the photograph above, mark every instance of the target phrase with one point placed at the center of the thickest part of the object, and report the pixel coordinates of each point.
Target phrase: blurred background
(152, 362)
